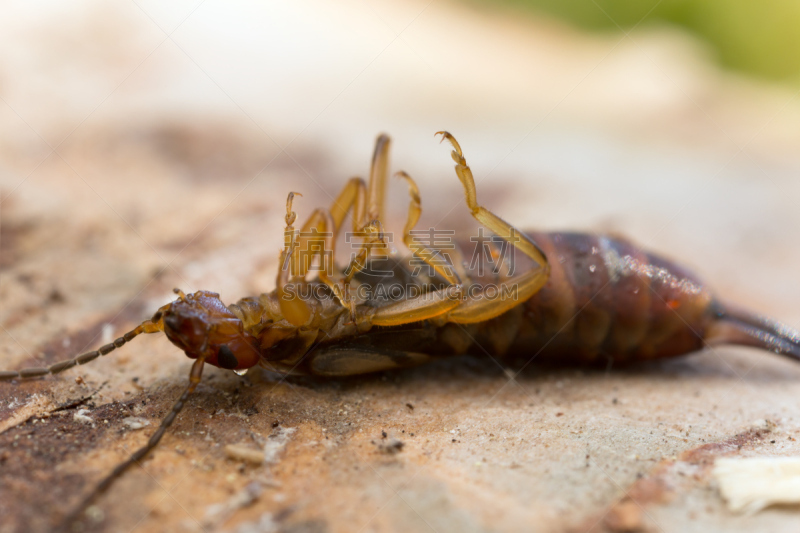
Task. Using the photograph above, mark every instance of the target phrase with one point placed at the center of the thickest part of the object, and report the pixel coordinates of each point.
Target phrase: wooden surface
(166, 179)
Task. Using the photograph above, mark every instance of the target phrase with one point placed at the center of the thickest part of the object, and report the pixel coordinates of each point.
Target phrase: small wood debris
(83, 416)
(269, 453)
(244, 452)
(750, 484)
(135, 422)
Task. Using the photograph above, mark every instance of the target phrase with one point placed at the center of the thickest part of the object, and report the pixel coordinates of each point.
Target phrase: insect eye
(226, 359)
(173, 322)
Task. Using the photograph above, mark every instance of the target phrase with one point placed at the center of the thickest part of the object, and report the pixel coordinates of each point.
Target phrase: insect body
(577, 297)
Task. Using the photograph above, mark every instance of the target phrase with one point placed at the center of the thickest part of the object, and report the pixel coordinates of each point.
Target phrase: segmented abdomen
(606, 299)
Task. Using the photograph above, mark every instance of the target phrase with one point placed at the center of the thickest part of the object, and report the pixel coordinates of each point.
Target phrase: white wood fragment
(243, 452)
(135, 422)
(83, 416)
(751, 484)
(276, 442)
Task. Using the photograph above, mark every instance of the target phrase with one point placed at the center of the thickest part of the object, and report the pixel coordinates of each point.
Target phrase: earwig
(573, 297)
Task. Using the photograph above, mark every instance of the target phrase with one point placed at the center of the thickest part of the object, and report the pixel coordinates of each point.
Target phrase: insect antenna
(148, 326)
(194, 379)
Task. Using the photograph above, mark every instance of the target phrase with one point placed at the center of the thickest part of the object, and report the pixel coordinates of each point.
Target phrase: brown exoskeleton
(573, 296)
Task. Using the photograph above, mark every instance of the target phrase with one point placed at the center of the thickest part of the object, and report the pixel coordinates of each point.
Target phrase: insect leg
(353, 196)
(377, 178)
(373, 238)
(352, 360)
(141, 453)
(367, 204)
(423, 307)
(428, 305)
(316, 238)
(485, 305)
(431, 257)
(293, 308)
(370, 227)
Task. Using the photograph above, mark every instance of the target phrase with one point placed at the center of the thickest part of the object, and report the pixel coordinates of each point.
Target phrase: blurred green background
(758, 37)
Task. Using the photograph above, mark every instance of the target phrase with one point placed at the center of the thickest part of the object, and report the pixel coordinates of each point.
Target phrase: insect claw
(456, 154)
(291, 216)
(290, 199)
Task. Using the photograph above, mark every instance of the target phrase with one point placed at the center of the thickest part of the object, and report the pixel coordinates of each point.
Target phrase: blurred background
(146, 145)
(755, 39)
(673, 122)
